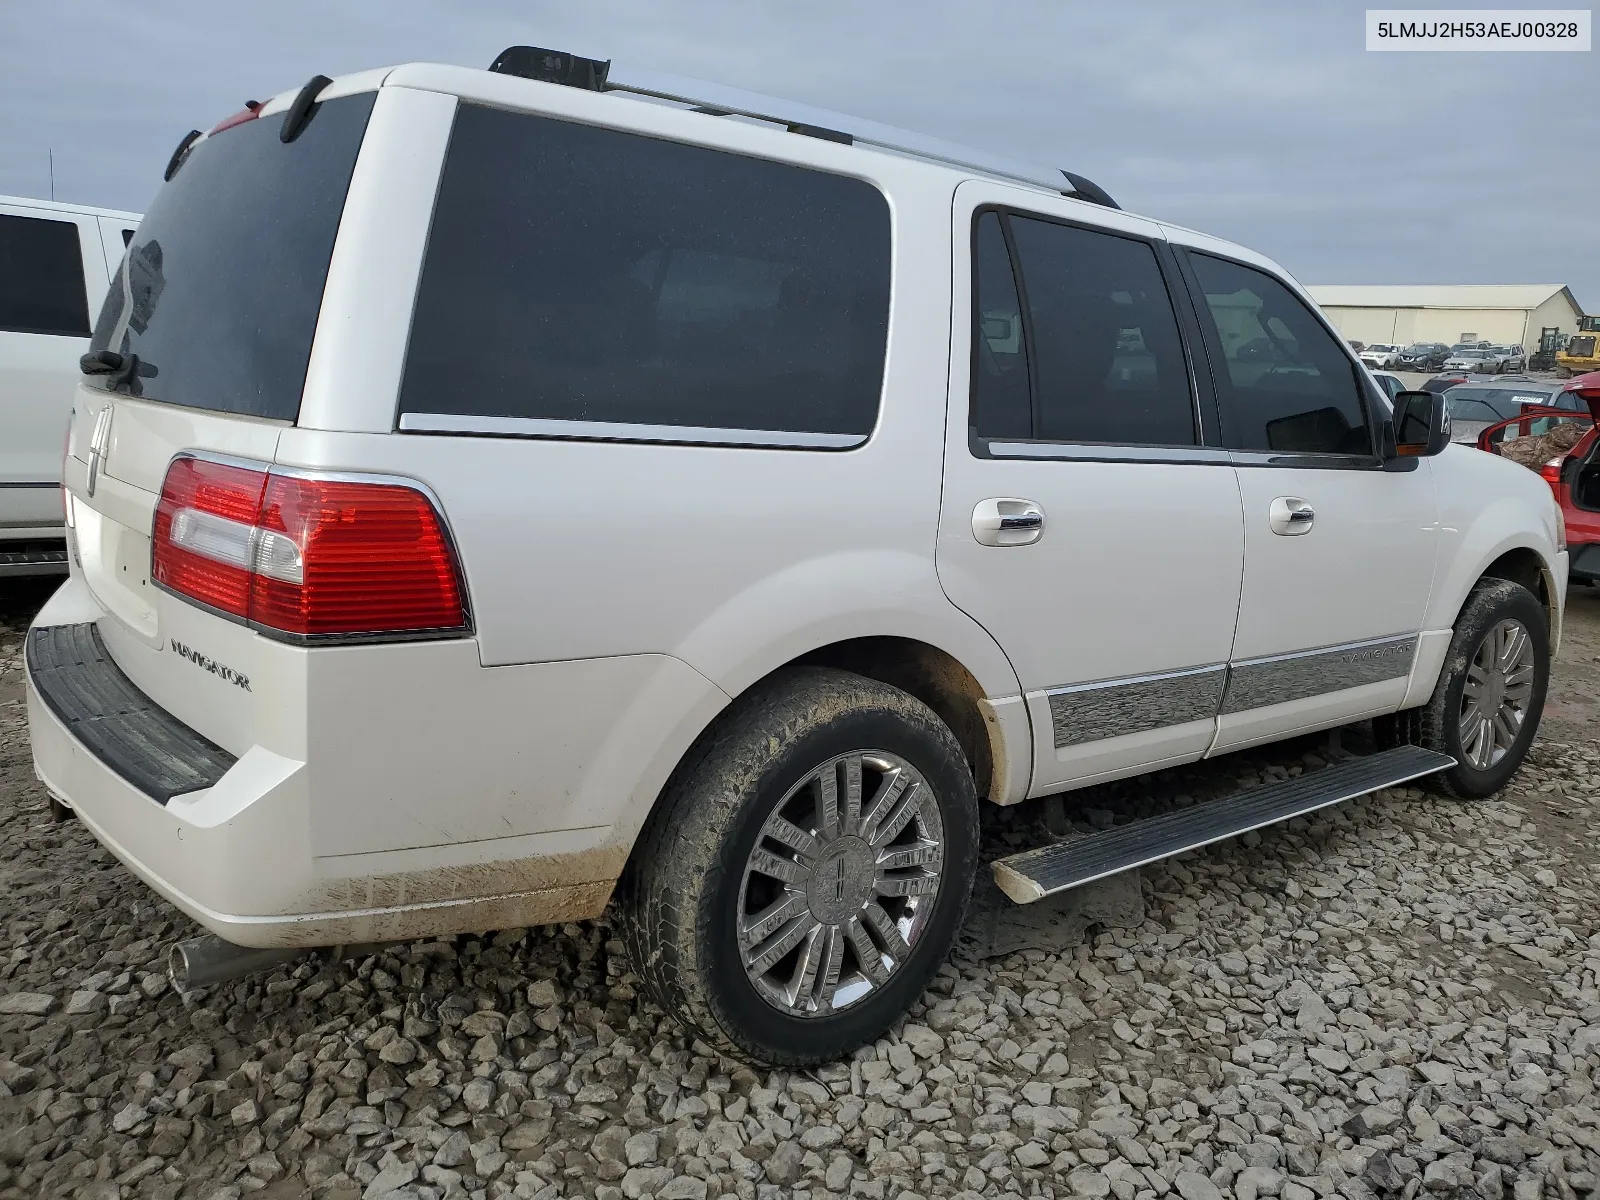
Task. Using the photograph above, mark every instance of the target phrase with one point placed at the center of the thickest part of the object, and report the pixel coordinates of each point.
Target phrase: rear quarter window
(586, 279)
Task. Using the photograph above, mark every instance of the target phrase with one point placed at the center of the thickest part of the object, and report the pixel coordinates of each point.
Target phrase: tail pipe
(206, 960)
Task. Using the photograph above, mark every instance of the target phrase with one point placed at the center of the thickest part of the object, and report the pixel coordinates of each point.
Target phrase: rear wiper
(116, 369)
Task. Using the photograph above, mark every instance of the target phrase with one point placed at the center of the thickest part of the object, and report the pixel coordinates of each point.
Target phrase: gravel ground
(1397, 996)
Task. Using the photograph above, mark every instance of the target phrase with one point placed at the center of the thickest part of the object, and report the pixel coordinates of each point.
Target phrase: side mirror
(1421, 424)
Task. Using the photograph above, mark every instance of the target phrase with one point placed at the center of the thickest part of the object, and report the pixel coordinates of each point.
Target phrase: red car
(1573, 473)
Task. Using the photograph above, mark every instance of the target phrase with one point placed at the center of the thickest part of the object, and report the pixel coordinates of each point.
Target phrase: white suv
(489, 493)
(1381, 356)
(55, 262)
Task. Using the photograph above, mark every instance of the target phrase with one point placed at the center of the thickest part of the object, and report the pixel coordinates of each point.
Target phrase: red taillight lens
(1551, 471)
(310, 557)
(204, 537)
(339, 557)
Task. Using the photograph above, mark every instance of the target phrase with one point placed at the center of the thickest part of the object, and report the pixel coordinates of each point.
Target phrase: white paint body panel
(624, 594)
(37, 374)
(1136, 572)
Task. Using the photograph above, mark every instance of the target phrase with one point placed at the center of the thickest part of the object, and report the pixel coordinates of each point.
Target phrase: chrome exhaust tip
(206, 960)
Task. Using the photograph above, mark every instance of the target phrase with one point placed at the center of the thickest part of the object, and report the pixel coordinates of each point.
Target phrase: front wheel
(1485, 709)
(806, 870)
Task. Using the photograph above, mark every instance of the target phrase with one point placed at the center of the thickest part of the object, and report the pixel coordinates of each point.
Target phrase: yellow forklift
(1582, 351)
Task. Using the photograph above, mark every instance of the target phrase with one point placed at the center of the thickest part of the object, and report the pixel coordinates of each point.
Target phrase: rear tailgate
(208, 327)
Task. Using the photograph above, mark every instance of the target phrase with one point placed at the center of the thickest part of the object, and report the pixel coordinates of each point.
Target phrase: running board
(1035, 874)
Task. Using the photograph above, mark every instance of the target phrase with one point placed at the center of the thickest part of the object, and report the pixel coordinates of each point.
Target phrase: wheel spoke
(888, 932)
(1477, 675)
(1470, 713)
(906, 885)
(1512, 642)
(828, 803)
(1506, 728)
(899, 818)
(760, 926)
(830, 954)
(791, 835)
(868, 955)
(919, 854)
(761, 959)
(764, 862)
(1520, 676)
(1484, 740)
(852, 794)
(804, 979)
(888, 793)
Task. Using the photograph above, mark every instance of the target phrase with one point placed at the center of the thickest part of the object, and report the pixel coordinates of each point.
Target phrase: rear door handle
(1007, 521)
(1291, 516)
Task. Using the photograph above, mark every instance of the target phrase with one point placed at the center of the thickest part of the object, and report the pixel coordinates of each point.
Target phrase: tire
(1438, 725)
(697, 882)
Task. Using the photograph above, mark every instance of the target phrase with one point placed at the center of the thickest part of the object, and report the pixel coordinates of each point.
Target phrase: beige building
(1504, 313)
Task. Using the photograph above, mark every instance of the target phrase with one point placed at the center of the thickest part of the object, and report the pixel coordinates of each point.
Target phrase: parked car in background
(1476, 406)
(1380, 355)
(1568, 458)
(56, 261)
(1479, 361)
(1391, 384)
(1512, 358)
(1423, 356)
(1358, 347)
(378, 627)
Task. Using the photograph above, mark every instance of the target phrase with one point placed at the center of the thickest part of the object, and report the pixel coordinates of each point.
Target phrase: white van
(490, 490)
(55, 263)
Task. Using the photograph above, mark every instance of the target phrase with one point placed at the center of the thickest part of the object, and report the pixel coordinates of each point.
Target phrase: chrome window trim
(622, 431)
(1090, 452)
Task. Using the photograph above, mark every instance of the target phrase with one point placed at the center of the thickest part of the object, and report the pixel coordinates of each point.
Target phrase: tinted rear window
(577, 274)
(41, 277)
(226, 270)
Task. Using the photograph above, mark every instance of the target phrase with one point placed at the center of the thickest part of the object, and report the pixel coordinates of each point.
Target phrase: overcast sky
(1265, 123)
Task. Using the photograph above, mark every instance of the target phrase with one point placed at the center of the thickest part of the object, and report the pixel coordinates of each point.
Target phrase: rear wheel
(1485, 709)
(806, 870)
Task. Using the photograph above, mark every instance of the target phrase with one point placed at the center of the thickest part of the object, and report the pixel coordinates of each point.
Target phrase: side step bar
(34, 560)
(1035, 874)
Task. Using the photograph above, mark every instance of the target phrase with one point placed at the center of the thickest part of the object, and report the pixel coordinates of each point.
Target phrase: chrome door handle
(1291, 516)
(1007, 521)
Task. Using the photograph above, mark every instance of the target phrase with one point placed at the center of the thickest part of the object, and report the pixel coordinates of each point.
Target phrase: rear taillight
(1551, 471)
(307, 557)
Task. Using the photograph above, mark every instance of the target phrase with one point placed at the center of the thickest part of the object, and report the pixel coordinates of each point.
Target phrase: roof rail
(555, 66)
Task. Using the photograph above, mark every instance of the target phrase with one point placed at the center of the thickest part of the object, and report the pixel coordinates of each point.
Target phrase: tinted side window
(1108, 363)
(41, 277)
(1001, 400)
(1288, 386)
(587, 275)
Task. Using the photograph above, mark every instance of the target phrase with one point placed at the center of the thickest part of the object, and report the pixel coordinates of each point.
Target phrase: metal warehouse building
(1506, 314)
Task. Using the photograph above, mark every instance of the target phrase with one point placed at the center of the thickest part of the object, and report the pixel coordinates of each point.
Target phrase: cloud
(1261, 122)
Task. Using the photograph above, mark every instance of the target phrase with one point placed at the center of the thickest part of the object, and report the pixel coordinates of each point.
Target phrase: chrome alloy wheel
(840, 884)
(1495, 696)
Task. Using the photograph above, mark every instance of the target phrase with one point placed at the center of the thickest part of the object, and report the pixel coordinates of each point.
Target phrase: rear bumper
(241, 856)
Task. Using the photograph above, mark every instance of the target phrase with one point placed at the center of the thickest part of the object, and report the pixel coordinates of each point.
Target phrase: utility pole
(51, 151)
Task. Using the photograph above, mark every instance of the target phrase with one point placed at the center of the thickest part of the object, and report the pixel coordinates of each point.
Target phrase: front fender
(1488, 507)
